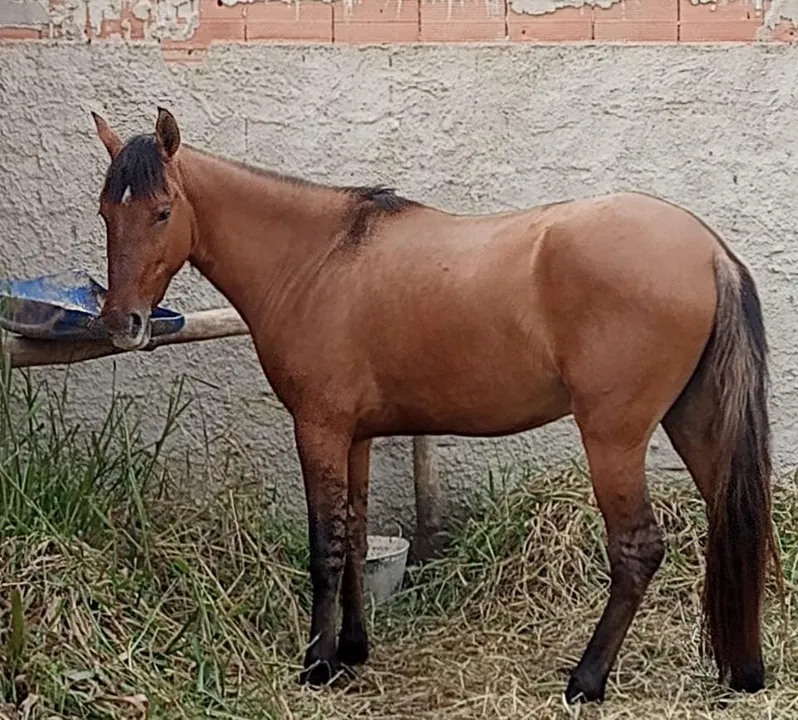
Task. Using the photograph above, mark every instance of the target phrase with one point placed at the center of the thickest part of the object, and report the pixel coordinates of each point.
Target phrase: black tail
(741, 540)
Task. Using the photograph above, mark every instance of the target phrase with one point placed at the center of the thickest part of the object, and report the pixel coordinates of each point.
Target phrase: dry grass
(132, 605)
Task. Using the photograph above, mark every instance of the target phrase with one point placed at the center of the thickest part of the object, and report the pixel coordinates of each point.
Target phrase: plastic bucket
(386, 560)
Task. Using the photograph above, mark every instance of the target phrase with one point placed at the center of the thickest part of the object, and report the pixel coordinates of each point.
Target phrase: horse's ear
(167, 132)
(112, 141)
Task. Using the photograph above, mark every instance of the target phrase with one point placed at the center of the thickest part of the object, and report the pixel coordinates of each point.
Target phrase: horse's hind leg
(635, 546)
(688, 425)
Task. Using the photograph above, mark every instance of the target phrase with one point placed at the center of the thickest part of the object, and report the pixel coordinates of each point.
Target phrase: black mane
(139, 165)
(371, 204)
(383, 198)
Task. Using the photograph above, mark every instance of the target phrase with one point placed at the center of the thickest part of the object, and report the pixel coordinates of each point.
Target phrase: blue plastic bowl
(66, 306)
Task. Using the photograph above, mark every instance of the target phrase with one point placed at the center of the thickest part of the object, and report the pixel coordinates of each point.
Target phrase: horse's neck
(257, 237)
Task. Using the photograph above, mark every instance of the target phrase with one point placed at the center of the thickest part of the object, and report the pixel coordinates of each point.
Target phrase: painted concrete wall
(467, 128)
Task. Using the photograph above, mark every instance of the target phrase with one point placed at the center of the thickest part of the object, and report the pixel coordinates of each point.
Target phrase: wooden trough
(220, 323)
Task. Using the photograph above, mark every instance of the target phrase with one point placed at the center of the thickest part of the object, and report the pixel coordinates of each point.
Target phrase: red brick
(110, 29)
(217, 10)
(310, 30)
(376, 32)
(721, 21)
(279, 11)
(218, 31)
(469, 11)
(640, 11)
(208, 32)
(211, 30)
(310, 20)
(722, 11)
(728, 31)
(638, 21)
(18, 33)
(377, 11)
(463, 31)
(784, 32)
(567, 24)
(637, 31)
(462, 21)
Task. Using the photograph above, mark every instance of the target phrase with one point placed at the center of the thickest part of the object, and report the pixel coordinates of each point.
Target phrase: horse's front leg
(323, 456)
(353, 646)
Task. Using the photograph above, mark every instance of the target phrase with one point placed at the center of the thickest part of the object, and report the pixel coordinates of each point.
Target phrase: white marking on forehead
(126, 195)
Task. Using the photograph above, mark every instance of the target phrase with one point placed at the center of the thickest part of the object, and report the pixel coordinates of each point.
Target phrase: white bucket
(386, 560)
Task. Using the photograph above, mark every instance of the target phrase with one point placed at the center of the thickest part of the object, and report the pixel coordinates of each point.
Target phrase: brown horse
(373, 316)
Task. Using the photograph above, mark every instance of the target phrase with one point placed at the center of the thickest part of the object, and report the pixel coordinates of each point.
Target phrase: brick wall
(193, 25)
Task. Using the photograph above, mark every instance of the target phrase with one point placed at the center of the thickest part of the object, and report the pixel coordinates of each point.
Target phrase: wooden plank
(202, 325)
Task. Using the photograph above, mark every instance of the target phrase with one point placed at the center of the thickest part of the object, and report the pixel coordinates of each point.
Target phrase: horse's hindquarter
(631, 287)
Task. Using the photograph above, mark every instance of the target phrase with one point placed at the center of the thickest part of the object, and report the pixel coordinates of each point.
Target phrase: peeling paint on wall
(175, 19)
(23, 13)
(781, 11)
(541, 7)
(778, 12)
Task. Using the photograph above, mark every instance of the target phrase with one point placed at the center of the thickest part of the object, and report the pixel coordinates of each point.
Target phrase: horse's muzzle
(128, 330)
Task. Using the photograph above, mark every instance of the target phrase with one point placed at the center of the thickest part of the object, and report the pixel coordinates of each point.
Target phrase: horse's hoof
(583, 688)
(749, 678)
(318, 674)
(353, 650)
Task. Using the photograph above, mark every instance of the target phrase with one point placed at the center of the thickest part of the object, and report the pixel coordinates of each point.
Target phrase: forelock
(137, 172)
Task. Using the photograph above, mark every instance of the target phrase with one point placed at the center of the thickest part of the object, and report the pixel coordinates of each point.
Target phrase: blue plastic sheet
(66, 306)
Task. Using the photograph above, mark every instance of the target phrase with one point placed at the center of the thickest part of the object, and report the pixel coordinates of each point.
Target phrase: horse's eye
(163, 216)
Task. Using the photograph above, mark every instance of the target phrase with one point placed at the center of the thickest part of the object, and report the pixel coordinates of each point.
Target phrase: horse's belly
(496, 398)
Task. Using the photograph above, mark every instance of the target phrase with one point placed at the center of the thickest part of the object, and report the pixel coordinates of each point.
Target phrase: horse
(374, 315)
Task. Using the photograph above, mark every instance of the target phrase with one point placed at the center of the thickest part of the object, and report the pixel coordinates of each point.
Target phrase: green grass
(118, 600)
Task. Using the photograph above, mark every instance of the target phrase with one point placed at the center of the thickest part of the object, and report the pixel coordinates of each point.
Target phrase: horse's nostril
(136, 322)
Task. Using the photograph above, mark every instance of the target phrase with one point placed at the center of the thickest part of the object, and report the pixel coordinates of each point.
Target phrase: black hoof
(353, 649)
(749, 678)
(318, 674)
(584, 689)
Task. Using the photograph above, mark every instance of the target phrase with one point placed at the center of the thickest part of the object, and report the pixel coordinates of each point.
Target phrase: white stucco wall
(478, 128)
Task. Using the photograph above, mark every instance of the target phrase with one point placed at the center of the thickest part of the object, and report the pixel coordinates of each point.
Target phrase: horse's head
(149, 226)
